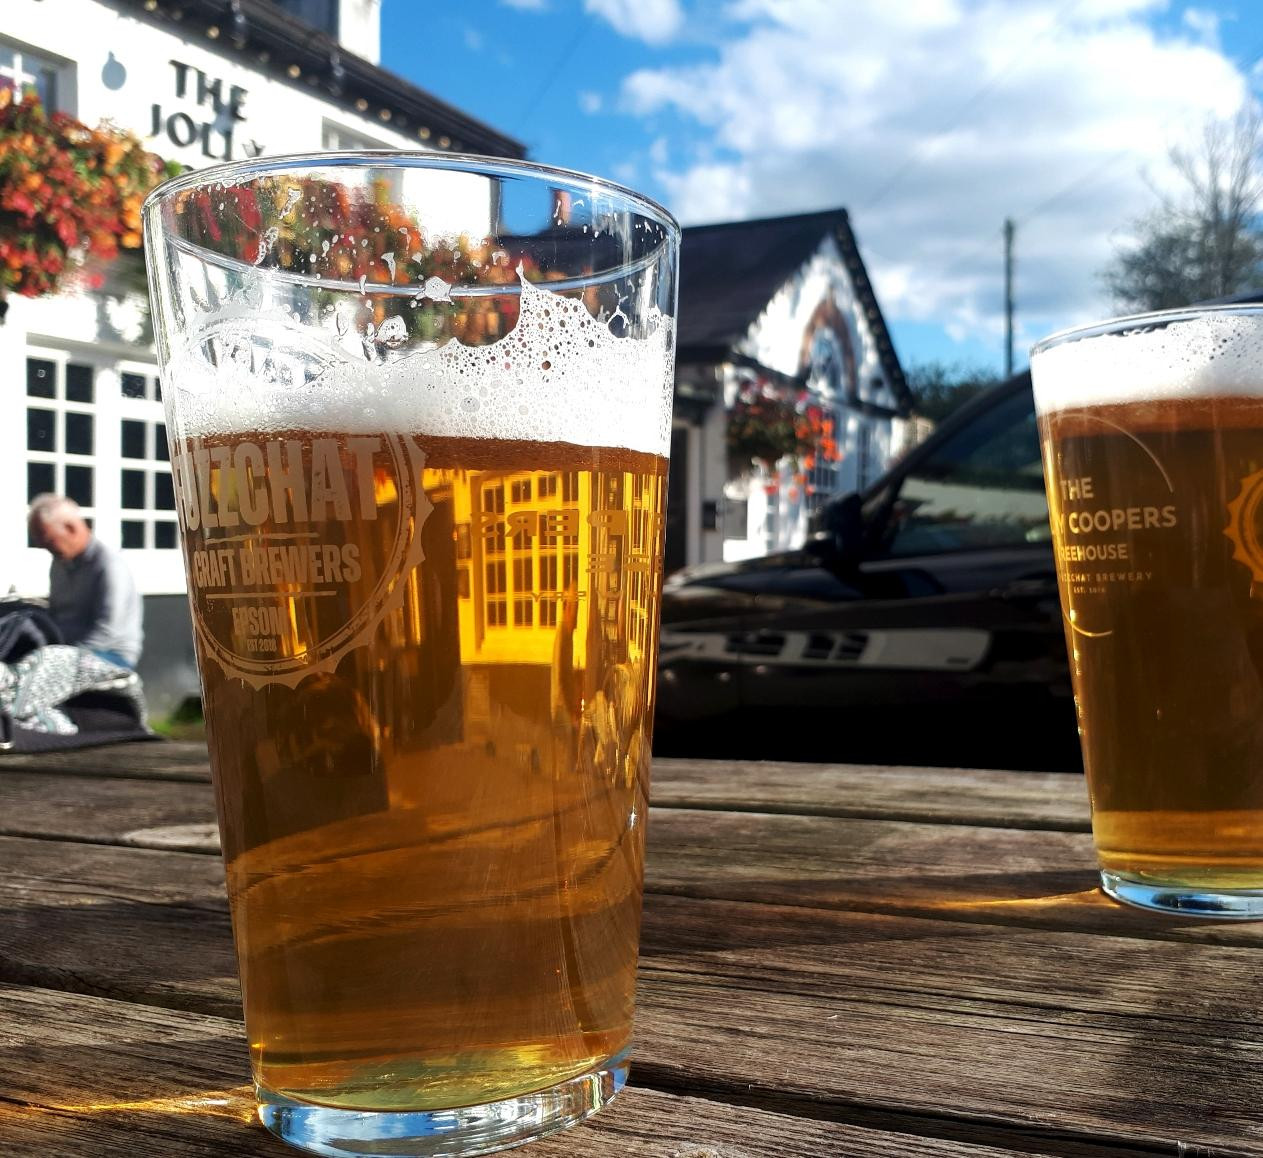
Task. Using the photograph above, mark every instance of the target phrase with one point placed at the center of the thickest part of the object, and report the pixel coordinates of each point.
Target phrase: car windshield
(983, 487)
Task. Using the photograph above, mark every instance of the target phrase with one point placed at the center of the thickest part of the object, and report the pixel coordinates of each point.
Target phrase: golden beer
(428, 671)
(419, 407)
(1155, 506)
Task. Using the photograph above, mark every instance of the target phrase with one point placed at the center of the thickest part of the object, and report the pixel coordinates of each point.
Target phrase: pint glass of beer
(1152, 431)
(419, 410)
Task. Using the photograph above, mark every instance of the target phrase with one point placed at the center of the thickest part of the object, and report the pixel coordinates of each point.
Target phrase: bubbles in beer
(559, 375)
(1210, 355)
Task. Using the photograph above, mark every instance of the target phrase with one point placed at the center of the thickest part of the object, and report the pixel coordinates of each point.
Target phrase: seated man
(92, 598)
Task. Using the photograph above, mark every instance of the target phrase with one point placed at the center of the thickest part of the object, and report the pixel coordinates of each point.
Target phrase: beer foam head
(1211, 353)
(560, 375)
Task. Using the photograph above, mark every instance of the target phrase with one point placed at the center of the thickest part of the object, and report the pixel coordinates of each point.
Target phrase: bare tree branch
(1207, 243)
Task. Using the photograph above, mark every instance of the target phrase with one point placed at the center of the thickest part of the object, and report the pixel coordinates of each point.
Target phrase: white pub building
(199, 81)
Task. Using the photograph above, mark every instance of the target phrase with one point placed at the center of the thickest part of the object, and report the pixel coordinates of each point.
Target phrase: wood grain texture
(923, 1026)
(990, 876)
(976, 874)
(914, 964)
(149, 760)
(108, 811)
(1048, 800)
(83, 1077)
(947, 795)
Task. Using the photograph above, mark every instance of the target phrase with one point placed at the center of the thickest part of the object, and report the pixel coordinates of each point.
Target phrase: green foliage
(941, 388)
(1207, 243)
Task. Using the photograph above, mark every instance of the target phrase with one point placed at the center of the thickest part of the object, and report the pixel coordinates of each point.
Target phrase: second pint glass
(1152, 432)
(420, 412)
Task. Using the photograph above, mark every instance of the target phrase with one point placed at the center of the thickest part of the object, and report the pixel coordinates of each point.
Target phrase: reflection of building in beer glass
(421, 469)
(529, 545)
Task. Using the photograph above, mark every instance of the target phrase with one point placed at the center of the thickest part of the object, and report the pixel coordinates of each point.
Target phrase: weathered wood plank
(858, 1015)
(994, 876)
(83, 1077)
(976, 874)
(149, 760)
(117, 922)
(1048, 800)
(145, 813)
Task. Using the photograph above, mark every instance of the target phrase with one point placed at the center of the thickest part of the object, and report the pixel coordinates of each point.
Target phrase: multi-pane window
(529, 555)
(89, 423)
(496, 587)
(146, 492)
(523, 603)
(61, 429)
(23, 71)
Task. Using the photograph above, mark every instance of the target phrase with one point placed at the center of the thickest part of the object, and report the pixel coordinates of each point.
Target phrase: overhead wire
(913, 161)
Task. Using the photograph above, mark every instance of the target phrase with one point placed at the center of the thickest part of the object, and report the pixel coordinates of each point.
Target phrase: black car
(919, 624)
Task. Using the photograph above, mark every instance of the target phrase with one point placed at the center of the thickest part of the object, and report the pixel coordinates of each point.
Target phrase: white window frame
(20, 74)
(157, 570)
(338, 138)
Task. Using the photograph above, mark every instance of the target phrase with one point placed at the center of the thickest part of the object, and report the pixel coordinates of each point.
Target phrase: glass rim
(477, 163)
(1142, 323)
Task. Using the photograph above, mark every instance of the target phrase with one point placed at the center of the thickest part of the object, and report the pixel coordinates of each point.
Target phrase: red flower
(66, 191)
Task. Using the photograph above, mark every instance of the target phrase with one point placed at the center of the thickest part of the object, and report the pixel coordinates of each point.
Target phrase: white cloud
(590, 102)
(934, 120)
(653, 21)
(1202, 23)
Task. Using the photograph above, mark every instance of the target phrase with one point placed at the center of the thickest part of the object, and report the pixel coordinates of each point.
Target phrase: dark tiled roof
(729, 273)
(270, 40)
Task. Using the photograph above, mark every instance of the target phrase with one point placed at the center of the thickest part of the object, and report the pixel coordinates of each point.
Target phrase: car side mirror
(837, 537)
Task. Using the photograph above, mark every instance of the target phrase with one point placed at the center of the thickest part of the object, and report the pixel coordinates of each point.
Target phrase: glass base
(458, 1133)
(1224, 905)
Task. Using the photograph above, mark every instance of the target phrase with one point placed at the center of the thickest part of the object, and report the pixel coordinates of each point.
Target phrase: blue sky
(929, 120)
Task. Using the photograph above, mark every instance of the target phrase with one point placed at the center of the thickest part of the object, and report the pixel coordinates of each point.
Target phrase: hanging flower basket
(371, 236)
(69, 195)
(767, 425)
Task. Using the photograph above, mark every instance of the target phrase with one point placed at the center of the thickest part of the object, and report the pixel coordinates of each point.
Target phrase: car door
(949, 627)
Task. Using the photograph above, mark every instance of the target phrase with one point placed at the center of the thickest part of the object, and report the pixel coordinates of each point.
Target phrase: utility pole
(1009, 229)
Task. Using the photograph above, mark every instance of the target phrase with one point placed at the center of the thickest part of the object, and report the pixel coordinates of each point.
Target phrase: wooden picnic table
(836, 961)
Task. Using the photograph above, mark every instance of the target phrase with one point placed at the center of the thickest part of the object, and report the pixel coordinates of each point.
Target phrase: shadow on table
(1188, 1065)
(165, 954)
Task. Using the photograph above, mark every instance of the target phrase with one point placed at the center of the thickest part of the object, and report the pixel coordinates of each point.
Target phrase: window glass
(164, 535)
(133, 439)
(134, 490)
(984, 487)
(41, 428)
(132, 385)
(78, 382)
(79, 431)
(133, 533)
(321, 14)
(160, 449)
(163, 493)
(41, 378)
(22, 71)
(348, 140)
(40, 479)
(79, 485)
